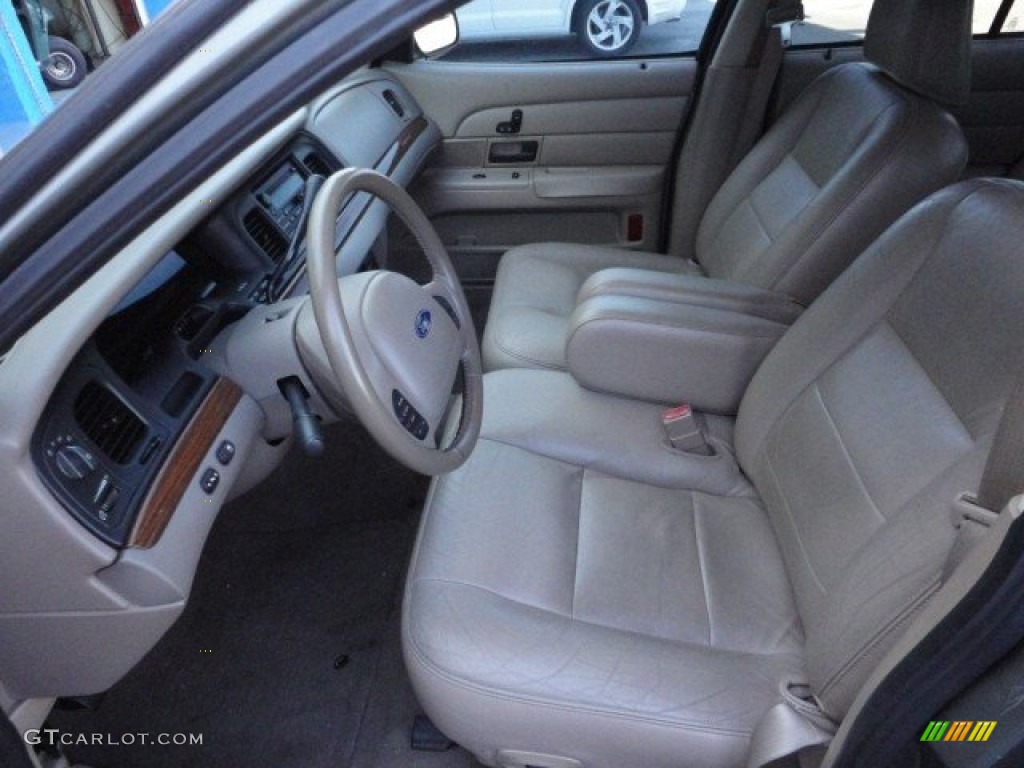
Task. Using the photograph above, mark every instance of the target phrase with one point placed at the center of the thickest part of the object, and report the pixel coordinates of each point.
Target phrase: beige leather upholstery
(853, 153)
(535, 292)
(580, 592)
(690, 288)
(670, 338)
(911, 58)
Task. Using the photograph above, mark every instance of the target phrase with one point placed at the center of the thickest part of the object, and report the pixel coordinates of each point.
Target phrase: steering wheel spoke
(447, 297)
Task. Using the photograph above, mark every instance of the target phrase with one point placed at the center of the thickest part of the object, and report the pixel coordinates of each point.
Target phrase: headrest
(924, 45)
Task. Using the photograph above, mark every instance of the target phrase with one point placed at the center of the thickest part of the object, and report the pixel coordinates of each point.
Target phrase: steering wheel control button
(209, 481)
(226, 453)
(75, 462)
(409, 417)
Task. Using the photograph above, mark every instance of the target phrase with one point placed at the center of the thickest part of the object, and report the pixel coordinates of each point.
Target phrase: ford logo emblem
(423, 323)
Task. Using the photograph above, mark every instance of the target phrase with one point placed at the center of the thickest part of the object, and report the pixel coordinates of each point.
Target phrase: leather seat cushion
(552, 415)
(620, 607)
(535, 292)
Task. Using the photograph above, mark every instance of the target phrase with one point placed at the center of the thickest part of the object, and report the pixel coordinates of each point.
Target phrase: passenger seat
(861, 146)
(583, 596)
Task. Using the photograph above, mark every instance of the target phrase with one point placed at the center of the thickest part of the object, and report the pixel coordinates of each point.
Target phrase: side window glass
(573, 30)
(832, 21)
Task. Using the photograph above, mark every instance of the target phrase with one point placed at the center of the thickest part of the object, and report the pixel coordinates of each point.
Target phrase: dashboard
(114, 474)
(124, 404)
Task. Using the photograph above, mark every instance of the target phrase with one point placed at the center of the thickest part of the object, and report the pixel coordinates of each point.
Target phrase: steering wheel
(395, 346)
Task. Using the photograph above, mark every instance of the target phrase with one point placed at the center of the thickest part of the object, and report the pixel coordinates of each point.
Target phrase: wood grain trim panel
(184, 462)
(393, 158)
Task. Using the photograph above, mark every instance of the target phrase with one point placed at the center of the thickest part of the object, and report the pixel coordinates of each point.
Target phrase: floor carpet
(288, 653)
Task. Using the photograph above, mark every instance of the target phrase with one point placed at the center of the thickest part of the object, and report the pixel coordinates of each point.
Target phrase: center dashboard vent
(316, 164)
(108, 422)
(265, 234)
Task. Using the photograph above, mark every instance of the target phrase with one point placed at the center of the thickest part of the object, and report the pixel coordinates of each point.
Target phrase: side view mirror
(438, 37)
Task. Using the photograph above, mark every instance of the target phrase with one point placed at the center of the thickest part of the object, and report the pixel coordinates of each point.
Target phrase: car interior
(363, 406)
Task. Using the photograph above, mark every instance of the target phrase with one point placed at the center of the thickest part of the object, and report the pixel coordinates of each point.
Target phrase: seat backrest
(876, 410)
(861, 145)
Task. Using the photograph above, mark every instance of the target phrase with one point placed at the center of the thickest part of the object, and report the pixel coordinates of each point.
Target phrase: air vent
(393, 102)
(108, 422)
(265, 234)
(316, 164)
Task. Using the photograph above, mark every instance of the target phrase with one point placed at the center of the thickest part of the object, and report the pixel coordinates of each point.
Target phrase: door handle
(513, 152)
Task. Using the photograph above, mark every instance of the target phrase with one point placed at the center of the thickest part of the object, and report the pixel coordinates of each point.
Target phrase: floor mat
(287, 654)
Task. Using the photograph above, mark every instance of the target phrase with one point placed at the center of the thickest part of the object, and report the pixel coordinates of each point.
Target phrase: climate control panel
(90, 481)
(100, 445)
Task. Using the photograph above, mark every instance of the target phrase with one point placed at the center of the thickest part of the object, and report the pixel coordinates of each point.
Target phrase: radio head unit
(281, 196)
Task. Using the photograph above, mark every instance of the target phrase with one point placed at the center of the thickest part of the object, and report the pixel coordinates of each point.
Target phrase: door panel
(602, 134)
(579, 118)
(453, 91)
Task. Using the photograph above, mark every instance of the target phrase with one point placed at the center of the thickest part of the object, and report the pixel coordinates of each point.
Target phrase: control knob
(75, 462)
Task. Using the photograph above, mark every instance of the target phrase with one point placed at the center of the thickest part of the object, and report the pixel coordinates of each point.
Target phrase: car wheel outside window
(66, 66)
(608, 27)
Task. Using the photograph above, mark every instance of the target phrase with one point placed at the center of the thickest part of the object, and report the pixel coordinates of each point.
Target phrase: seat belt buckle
(966, 509)
(686, 430)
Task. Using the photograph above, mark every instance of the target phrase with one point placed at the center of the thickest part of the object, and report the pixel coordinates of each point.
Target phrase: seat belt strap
(1003, 477)
(789, 730)
(757, 105)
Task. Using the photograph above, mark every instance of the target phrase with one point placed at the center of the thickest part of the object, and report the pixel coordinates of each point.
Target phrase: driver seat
(581, 595)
